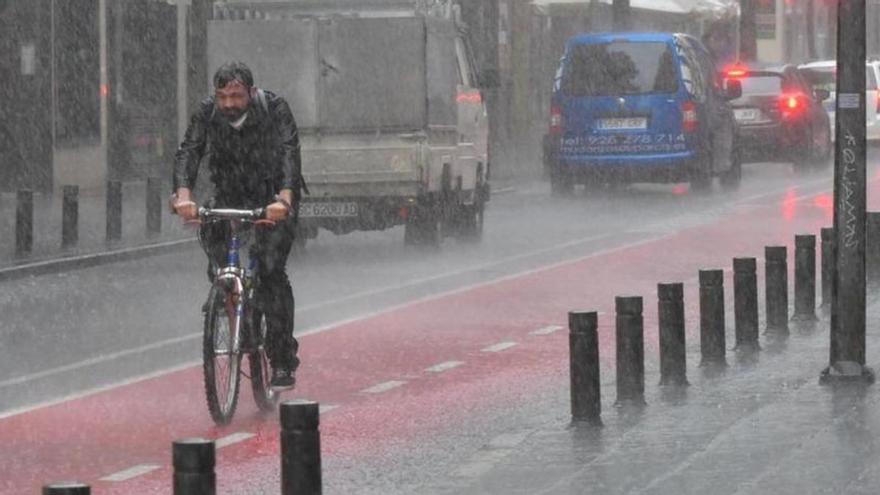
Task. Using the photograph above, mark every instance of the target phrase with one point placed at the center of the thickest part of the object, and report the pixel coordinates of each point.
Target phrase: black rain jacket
(249, 165)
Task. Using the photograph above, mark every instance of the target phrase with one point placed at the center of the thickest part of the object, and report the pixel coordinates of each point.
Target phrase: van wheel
(731, 179)
(471, 221)
(560, 182)
(422, 228)
(701, 182)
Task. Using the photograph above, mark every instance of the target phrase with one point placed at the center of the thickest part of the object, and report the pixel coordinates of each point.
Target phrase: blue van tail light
(555, 120)
(689, 120)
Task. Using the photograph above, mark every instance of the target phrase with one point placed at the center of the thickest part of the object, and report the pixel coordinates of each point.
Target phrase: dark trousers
(274, 296)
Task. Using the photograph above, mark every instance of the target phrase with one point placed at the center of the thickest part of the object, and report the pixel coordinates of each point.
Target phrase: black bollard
(776, 288)
(583, 349)
(300, 448)
(67, 488)
(24, 223)
(670, 313)
(114, 210)
(630, 350)
(154, 206)
(712, 339)
(745, 303)
(70, 216)
(872, 248)
(827, 267)
(804, 278)
(194, 460)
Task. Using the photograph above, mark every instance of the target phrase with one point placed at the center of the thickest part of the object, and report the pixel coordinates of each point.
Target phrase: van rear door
(620, 98)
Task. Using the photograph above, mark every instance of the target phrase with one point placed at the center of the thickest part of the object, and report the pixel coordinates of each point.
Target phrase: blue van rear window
(619, 68)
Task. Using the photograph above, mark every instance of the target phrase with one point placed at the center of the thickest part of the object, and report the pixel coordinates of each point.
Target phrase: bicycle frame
(232, 278)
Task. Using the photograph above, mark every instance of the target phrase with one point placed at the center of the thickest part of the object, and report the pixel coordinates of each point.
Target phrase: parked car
(823, 75)
(781, 117)
(640, 107)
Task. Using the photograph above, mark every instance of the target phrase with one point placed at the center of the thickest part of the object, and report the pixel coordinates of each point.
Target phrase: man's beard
(233, 114)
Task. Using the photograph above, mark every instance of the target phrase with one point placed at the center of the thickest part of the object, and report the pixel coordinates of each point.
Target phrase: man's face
(232, 100)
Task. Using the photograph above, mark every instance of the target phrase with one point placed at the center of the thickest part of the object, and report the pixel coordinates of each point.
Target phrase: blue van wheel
(561, 183)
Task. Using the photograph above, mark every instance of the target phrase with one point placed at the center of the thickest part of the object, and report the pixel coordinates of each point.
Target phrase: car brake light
(791, 105)
(735, 71)
(689, 120)
(555, 120)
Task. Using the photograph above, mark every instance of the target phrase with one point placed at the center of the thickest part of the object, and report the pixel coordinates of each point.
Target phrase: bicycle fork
(231, 284)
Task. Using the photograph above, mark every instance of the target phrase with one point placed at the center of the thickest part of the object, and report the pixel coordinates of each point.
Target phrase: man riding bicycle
(250, 139)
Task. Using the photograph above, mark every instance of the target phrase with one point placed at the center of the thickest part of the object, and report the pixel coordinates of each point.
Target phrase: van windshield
(619, 68)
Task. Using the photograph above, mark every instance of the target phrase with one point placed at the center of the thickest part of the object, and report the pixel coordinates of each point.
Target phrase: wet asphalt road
(67, 333)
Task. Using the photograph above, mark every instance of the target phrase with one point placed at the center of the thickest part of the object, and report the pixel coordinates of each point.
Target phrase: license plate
(623, 123)
(746, 114)
(313, 210)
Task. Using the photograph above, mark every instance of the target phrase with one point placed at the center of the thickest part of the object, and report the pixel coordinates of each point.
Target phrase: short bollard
(24, 223)
(67, 488)
(194, 460)
(776, 288)
(583, 349)
(872, 248)
(70, 216)
(712, 339)
(630, 351)
(805, 278)
(154, 206)
(745, 303)
(300, 448)
(673, 354)
(114, 210)
(827, 267)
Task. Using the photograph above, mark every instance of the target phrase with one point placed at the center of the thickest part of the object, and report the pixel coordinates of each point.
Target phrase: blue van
(640, 107)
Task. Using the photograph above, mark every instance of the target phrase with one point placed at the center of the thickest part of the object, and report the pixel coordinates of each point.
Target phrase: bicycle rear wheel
(261, 372)
(221, 363)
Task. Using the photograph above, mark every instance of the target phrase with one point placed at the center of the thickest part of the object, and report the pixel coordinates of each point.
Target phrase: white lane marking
(448, 365)
(546, 330)
(340, 323)
(499, 347)
(325, 408)
(382, 387)
(232, 439)
(131, 472)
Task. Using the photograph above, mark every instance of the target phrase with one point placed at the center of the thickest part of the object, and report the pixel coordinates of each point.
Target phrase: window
(619, 68)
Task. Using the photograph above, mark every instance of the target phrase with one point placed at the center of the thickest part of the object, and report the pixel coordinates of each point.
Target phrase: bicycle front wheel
(221, 361)
(261, 373)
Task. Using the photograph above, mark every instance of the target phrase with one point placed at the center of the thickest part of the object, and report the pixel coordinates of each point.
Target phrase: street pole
(847, 356)
(748, 31)
(621, 15)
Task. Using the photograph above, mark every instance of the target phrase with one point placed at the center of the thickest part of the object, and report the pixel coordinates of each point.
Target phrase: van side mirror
(733, 89)
(822, 94)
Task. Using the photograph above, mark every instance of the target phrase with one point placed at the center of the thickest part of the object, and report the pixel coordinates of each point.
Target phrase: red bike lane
(402, 375)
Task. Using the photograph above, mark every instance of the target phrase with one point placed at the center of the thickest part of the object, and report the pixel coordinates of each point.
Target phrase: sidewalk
(761, 426)
(92, 226)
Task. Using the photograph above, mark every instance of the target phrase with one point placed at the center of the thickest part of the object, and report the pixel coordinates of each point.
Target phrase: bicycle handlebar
(231, 214)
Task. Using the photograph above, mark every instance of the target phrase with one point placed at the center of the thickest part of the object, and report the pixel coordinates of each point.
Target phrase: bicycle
(234, 324)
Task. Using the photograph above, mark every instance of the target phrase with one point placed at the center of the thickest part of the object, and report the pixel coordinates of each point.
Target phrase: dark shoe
(283, 378)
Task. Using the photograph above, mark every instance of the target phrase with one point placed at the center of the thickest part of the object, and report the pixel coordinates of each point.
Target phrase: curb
(90, 260)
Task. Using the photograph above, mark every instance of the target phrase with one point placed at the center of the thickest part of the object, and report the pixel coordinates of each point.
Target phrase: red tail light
(792, 105)
(689, 120)
(555, 120)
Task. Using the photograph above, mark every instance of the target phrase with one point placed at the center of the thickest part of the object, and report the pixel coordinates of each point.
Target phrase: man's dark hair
(233, 71)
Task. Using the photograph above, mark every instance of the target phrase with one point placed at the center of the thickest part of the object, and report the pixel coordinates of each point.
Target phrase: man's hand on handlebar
(282, 207)
(183, 205)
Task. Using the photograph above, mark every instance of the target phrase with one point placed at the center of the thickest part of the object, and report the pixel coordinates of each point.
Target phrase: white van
(823, 74)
